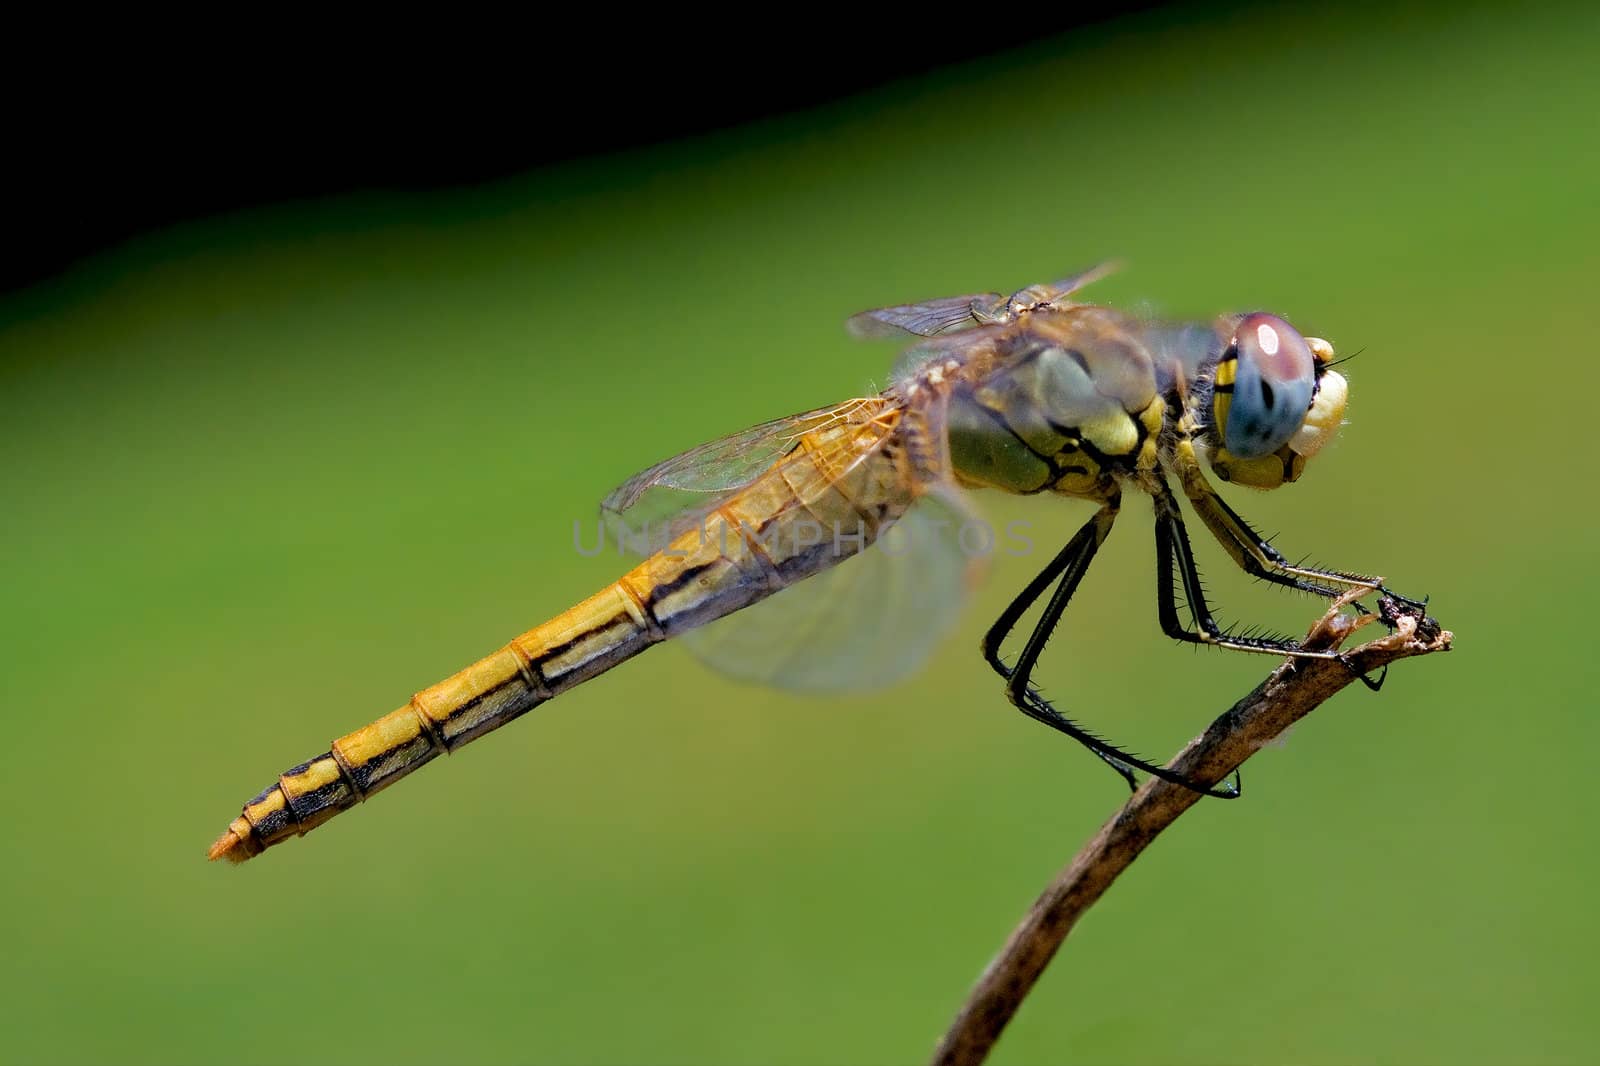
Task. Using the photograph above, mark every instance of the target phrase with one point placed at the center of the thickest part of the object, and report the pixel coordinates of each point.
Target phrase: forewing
(656, 505)
(929, 318)
(866, 623)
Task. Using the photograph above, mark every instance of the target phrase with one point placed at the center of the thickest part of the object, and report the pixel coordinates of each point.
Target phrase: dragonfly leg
(1175, 566)
(1069, 566)
(1002, 627)
(1252, 552)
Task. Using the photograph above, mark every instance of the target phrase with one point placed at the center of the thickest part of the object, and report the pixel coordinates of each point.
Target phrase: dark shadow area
(131, 138)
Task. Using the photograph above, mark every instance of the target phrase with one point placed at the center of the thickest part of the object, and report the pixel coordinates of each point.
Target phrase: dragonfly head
(1275, 402)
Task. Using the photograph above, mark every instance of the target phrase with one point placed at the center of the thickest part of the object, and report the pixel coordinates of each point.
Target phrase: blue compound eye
(1274, 379)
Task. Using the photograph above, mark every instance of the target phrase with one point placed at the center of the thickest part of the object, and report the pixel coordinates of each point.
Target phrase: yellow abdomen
(738, 555)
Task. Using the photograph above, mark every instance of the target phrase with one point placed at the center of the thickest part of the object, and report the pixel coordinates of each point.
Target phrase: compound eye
(1274, 380)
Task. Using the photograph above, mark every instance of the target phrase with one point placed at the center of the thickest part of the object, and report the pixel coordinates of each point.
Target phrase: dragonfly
(839, 535)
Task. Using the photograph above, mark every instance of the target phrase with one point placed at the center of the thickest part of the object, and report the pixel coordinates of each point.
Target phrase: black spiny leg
(995, 637)
(1174, 557)
(1069, 565)
(1253, 553)
(1175, 560)
(1002, 627)
(1257, 557)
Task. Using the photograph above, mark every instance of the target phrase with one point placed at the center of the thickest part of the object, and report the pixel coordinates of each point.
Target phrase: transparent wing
(866, 623)
(953, 314)
(656, 505)
(929, 318)
(962, 345)
(1038, 295)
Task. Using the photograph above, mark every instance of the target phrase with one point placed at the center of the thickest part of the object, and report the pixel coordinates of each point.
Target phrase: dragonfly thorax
(1064, 400)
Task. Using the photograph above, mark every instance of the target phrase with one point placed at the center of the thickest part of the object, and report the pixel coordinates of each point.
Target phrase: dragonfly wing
(929, 318)
(962, 346)
(670, 498)
(866, 623)
(674, 496)
(953, 314)
(1055, 290)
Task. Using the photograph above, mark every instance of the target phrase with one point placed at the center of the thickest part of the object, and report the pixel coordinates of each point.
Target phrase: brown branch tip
(1289, 693)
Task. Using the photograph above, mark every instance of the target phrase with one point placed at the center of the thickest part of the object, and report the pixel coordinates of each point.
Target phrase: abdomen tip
(233, 846)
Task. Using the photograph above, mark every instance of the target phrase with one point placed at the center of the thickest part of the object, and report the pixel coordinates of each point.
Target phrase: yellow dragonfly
(1028, 393)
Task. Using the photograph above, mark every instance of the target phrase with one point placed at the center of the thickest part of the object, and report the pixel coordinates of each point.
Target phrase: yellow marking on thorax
(1119, 433)
(1114, 434)
(1153, 417)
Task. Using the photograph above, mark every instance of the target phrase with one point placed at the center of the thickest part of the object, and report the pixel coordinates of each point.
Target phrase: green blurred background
(267, 475)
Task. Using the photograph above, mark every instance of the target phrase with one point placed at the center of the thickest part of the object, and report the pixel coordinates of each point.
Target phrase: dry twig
(1291, 692)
